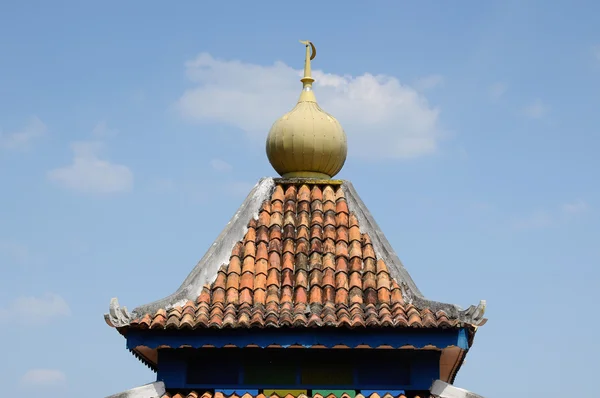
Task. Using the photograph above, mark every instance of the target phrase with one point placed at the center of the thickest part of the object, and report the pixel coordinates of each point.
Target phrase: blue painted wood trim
(238, 392)
(423, 373)
(463, 339)
(418, 338)
(381, 393)
(424, 368)
(242, 389)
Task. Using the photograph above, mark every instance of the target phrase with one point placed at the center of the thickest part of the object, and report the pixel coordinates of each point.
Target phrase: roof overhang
(152, 390)
(452, 344)
(441, 389)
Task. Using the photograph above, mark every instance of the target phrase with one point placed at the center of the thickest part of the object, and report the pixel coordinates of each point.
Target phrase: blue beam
(419, 338)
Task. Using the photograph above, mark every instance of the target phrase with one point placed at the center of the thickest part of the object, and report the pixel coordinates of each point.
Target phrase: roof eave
(206, 270)
(410, 292)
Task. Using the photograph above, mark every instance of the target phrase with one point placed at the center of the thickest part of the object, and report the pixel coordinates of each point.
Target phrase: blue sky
(131, 131)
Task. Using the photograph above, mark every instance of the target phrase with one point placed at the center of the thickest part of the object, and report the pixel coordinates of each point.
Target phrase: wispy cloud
(101, 130)
(20, 139)
(497, 90)
(29, 310)
(220, 165)
(89, 173)
(383, 117)
(536, 110)
(576, 207)
(43, 378)
(544, 218)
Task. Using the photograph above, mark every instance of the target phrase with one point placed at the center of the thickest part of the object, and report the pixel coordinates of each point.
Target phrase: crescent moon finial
(311, 53)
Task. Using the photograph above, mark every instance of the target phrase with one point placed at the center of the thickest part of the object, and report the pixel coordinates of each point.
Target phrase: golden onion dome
(307, 142)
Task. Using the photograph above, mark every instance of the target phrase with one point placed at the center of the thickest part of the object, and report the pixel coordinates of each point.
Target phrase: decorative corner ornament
(474, 314)
(117, 316)
(440, 389)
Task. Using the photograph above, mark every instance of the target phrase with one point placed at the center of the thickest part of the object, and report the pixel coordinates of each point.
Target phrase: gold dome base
(306, 174)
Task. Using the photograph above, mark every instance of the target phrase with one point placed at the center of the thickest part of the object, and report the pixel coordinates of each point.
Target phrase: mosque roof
(298, 253)
(302, 251)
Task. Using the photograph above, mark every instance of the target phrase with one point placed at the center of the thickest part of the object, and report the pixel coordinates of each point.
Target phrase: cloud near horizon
(90, 174)
(220, 165)
(576, 207)
(543, 218)
(30, 310)
(20, 139)
(536, 109)
(382, 117)
(43, 378)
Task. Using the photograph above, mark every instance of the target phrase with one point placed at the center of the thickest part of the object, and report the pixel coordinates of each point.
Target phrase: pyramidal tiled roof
(298, 253)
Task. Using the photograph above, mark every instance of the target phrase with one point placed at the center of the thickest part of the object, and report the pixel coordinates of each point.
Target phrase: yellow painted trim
(307, 94)
(311, 181)
(306, 174)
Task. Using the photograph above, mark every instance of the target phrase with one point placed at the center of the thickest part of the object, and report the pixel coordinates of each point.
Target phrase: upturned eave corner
(206, 269)
(471, 316)
(474, 315)
(117, 316)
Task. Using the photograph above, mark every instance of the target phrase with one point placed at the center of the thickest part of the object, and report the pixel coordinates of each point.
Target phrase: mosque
(301, 295)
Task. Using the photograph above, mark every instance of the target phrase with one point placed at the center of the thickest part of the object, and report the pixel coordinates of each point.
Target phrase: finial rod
(311, 53)
(307, 80)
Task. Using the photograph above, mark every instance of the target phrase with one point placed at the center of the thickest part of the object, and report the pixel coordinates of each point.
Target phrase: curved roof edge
(206, 269)
(218, 254)
(383, 249)
(152, 390)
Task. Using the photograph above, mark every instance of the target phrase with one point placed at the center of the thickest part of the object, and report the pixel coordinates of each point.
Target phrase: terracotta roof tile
(304, 249)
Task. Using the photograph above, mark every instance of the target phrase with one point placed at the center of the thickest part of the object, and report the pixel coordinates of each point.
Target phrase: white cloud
(497, 90)
(43, 378)
(576, 207)
(543, 218)
(101, 130)
(535, 110)
(429, 82)
(220, 165)
(34, 129)
(382, 117)
(90, 174)
(29, 310)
